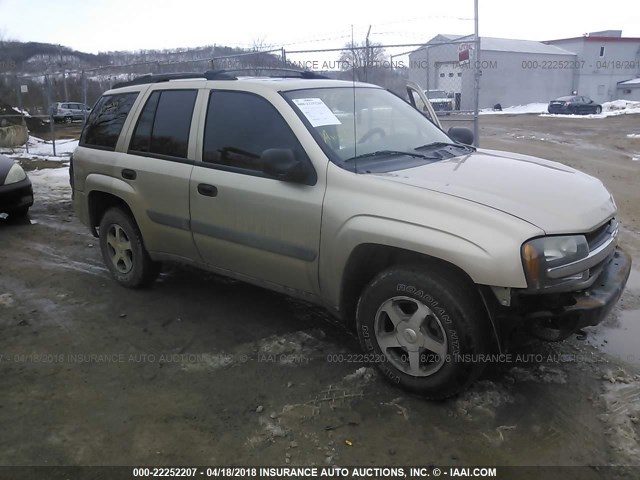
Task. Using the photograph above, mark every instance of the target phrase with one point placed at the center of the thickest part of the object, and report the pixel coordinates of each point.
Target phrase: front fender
(497, 263)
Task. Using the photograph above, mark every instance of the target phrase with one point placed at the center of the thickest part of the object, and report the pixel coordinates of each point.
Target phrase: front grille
(596, 239)
(598, 236)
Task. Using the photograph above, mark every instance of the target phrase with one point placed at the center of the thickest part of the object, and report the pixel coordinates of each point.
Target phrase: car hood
(549, 195)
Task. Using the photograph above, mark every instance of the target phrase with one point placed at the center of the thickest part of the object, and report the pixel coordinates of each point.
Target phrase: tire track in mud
(622, 418)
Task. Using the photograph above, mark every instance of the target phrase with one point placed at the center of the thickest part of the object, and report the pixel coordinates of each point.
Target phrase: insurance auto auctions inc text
(371, 472)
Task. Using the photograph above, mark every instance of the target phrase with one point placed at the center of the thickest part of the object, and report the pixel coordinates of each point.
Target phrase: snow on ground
(517, 109)
(51, 184)
(40, 149)
(21, 112)
(634, 135)
(609, 109)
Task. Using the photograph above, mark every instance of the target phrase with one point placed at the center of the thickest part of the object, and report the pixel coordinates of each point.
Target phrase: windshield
(436, 94)
(358, 121)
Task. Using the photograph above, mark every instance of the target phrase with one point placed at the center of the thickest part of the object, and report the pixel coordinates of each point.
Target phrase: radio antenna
(353, 83)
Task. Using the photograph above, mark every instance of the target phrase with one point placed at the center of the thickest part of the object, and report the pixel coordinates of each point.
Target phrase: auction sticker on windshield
(316, 112)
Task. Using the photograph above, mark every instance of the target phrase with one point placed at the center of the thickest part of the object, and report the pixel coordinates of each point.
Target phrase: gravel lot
(200, 370)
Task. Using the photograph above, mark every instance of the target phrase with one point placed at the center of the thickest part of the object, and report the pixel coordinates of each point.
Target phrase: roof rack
(165, 77)
(218, 75)
(291, 72)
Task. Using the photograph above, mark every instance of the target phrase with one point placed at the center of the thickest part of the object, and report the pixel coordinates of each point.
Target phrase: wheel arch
(369, 259)
(99, 202)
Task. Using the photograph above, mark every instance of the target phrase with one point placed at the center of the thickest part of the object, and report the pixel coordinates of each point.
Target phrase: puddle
(620, 341)
(634, 280)
(619, 334)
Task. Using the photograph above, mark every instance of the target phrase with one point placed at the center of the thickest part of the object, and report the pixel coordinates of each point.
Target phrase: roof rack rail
(218, 75)
(296, 73)
(165, 77)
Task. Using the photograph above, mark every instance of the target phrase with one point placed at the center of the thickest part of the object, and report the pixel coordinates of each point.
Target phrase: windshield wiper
(445, 144)
(388, 153)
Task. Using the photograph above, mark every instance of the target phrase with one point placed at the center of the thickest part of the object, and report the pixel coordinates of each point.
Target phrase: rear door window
(106, 121)
(164, 124)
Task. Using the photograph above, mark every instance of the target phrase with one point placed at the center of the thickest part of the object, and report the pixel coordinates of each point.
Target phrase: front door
(243, 220)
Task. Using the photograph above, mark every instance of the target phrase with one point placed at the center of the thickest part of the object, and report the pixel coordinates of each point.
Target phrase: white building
(601, 65)
(514, 72)
(629, 90)
(605, 60)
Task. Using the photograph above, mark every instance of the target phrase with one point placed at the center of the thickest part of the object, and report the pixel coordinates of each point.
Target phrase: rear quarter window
(164, 124)
(106, 121)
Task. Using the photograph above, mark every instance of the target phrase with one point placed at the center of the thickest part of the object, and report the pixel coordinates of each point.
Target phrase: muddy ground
(202, 370)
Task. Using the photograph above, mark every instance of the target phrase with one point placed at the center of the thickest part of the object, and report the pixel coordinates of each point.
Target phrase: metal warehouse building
(517, 72)
(629, 90)
(606, 60)
(514, 72)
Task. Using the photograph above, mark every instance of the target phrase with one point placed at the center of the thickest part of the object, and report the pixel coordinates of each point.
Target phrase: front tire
(424, 328)
(598, 110)
(123, 250)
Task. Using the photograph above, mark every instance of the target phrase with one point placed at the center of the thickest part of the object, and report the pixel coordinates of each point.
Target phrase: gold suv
(346, 195)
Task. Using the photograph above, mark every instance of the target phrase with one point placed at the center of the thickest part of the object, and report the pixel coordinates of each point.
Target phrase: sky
(106, 25)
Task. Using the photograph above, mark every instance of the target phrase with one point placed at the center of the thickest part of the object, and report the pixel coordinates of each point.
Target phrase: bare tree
(260, 58)
(362, 58)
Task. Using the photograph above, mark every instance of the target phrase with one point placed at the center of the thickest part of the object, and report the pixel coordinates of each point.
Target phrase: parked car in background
(440, 100)
(574, 105)
(16, 193)
(69, 111)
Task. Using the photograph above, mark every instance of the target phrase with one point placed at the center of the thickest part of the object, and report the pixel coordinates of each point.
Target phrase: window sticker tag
(316, 112)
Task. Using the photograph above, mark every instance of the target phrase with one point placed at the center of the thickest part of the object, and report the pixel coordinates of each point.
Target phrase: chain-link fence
(55, 105)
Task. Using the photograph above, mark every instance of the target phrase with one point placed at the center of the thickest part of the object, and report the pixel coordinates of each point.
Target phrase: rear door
(243, 220)
(76, 108)
(584, 106)
(157, 165)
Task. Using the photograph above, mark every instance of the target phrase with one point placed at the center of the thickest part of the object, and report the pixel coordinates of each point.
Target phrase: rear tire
(598, 110)
(423, 328)
(68, 120)
(123, 250)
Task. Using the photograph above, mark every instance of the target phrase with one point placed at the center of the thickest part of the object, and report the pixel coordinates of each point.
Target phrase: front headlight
(542, 256)
(16, 174)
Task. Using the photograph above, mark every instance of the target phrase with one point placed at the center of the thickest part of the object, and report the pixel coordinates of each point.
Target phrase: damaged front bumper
(556, 316)
(594, 304)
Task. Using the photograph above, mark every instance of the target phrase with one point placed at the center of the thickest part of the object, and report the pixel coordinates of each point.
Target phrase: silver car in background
(67, 112)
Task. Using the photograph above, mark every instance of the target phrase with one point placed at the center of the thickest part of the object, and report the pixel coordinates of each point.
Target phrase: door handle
(128, 174)
(207, 190)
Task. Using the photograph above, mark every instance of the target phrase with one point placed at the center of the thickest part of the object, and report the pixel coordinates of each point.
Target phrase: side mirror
(461, 134)
(281, 163)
